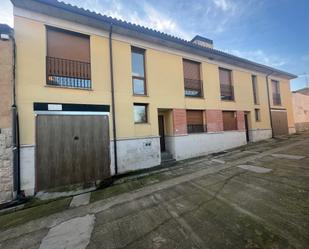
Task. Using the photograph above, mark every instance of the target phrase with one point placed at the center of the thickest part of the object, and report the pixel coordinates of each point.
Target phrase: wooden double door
(71, 149)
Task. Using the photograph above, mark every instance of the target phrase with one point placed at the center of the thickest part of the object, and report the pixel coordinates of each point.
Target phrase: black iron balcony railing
(196, 128)
(68, 73)
(193, 88)
(227, 92)
(276, 99)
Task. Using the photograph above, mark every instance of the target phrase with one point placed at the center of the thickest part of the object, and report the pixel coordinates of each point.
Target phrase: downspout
(113, 97)
(15, 130)
(269, 106)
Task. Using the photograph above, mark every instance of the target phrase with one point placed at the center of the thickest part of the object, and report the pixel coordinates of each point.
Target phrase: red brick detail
(240, 120)
(214, 120)
(179, 121)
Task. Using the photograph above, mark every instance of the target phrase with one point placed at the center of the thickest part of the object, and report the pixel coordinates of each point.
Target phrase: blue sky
(271, 32)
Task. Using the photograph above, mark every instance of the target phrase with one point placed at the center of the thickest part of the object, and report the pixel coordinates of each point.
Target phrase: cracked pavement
(208, 205)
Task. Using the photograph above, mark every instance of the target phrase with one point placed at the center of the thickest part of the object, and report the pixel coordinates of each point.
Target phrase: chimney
(202, 41)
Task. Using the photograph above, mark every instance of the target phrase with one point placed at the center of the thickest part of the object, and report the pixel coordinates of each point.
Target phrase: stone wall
(6, 169)
(301, 111)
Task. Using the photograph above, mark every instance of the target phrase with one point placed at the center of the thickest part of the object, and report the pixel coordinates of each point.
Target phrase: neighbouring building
(301, 109)
(97, 96)
(6, 94)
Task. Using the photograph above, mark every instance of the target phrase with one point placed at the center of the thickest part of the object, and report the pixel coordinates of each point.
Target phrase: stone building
(6, 82)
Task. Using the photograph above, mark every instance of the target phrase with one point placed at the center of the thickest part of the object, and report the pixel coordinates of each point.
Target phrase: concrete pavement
(200, 204)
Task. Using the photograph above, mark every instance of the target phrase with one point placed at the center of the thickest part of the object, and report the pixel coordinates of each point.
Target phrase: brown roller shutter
(195, 117)
(68, 45)
(229, 121)
(225, 76)
(191, 70)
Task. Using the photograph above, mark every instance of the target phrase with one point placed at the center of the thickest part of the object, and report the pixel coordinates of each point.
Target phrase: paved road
(253, 197)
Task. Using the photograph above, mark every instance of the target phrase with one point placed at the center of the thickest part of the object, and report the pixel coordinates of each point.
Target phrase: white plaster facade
(135, 154)
(259, 134)
(194, 145)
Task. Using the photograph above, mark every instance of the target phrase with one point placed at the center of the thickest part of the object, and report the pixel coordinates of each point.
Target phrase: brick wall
(5, 83)
(179, 121)
(240, 120)
(6, 166)
(214, 120)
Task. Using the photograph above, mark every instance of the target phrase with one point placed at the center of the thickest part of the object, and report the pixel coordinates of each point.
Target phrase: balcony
(68, 73)
(276, 99)
(196, 128)
(227, 92)
(193, 88)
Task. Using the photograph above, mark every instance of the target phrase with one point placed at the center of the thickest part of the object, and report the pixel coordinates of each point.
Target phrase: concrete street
(256, 196)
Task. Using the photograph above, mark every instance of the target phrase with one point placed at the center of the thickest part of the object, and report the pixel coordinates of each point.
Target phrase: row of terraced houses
(96, 97)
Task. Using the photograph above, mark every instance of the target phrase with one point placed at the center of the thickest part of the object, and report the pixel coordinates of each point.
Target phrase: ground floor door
(71, 149)
(279, 122)
(247, 127)
(161, 132)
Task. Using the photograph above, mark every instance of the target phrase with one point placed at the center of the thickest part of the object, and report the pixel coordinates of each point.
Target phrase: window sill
(227, 100)
(192, 97)
(140, 95)
(68, 87)
(140, 123)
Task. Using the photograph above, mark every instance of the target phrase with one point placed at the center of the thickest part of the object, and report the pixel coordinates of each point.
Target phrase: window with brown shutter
(195, 121)
(255, 90)
(276, 92)
(229, 120)
(226, 87)
(68, 58)
(192, 78)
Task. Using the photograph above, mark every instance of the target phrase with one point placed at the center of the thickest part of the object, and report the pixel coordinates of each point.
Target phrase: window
(229, 120)
(195, 121)
(276, 92)
(68, 59)
(192, 78)
(140, 113)
(138, 71)
(226, 87)
(255, 90)
(257, 115)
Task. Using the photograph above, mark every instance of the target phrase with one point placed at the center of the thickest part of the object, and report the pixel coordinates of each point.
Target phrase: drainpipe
(269, 106)
(15, 130)
(113, 97)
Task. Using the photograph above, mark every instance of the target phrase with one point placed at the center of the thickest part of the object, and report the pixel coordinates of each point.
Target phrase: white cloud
(223, 4)
(6, 12)
(143, 14)
(261, 57)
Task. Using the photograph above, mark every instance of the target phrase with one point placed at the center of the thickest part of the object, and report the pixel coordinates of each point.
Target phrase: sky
(271, 32)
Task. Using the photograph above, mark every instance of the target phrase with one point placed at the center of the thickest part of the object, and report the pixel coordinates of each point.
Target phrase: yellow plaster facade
(164, 77)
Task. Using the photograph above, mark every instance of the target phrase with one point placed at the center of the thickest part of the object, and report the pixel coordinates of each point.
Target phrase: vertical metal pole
(113, 97)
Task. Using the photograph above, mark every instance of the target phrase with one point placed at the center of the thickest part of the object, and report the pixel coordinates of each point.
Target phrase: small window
(226, 87)
(192, 78)
(255, 90)
(229, 121)
(195, 121)
(140, 113)
(257, 115)
(276, 92)
(138, 71)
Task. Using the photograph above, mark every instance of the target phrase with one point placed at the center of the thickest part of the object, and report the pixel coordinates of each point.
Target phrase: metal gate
(279, 122)
(71, 149)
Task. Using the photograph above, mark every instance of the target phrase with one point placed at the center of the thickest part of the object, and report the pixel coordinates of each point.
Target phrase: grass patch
(34, 210)
(125, 187)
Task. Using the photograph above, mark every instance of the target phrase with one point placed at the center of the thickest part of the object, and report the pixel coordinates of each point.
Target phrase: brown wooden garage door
(71, 149)
(279, 122)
